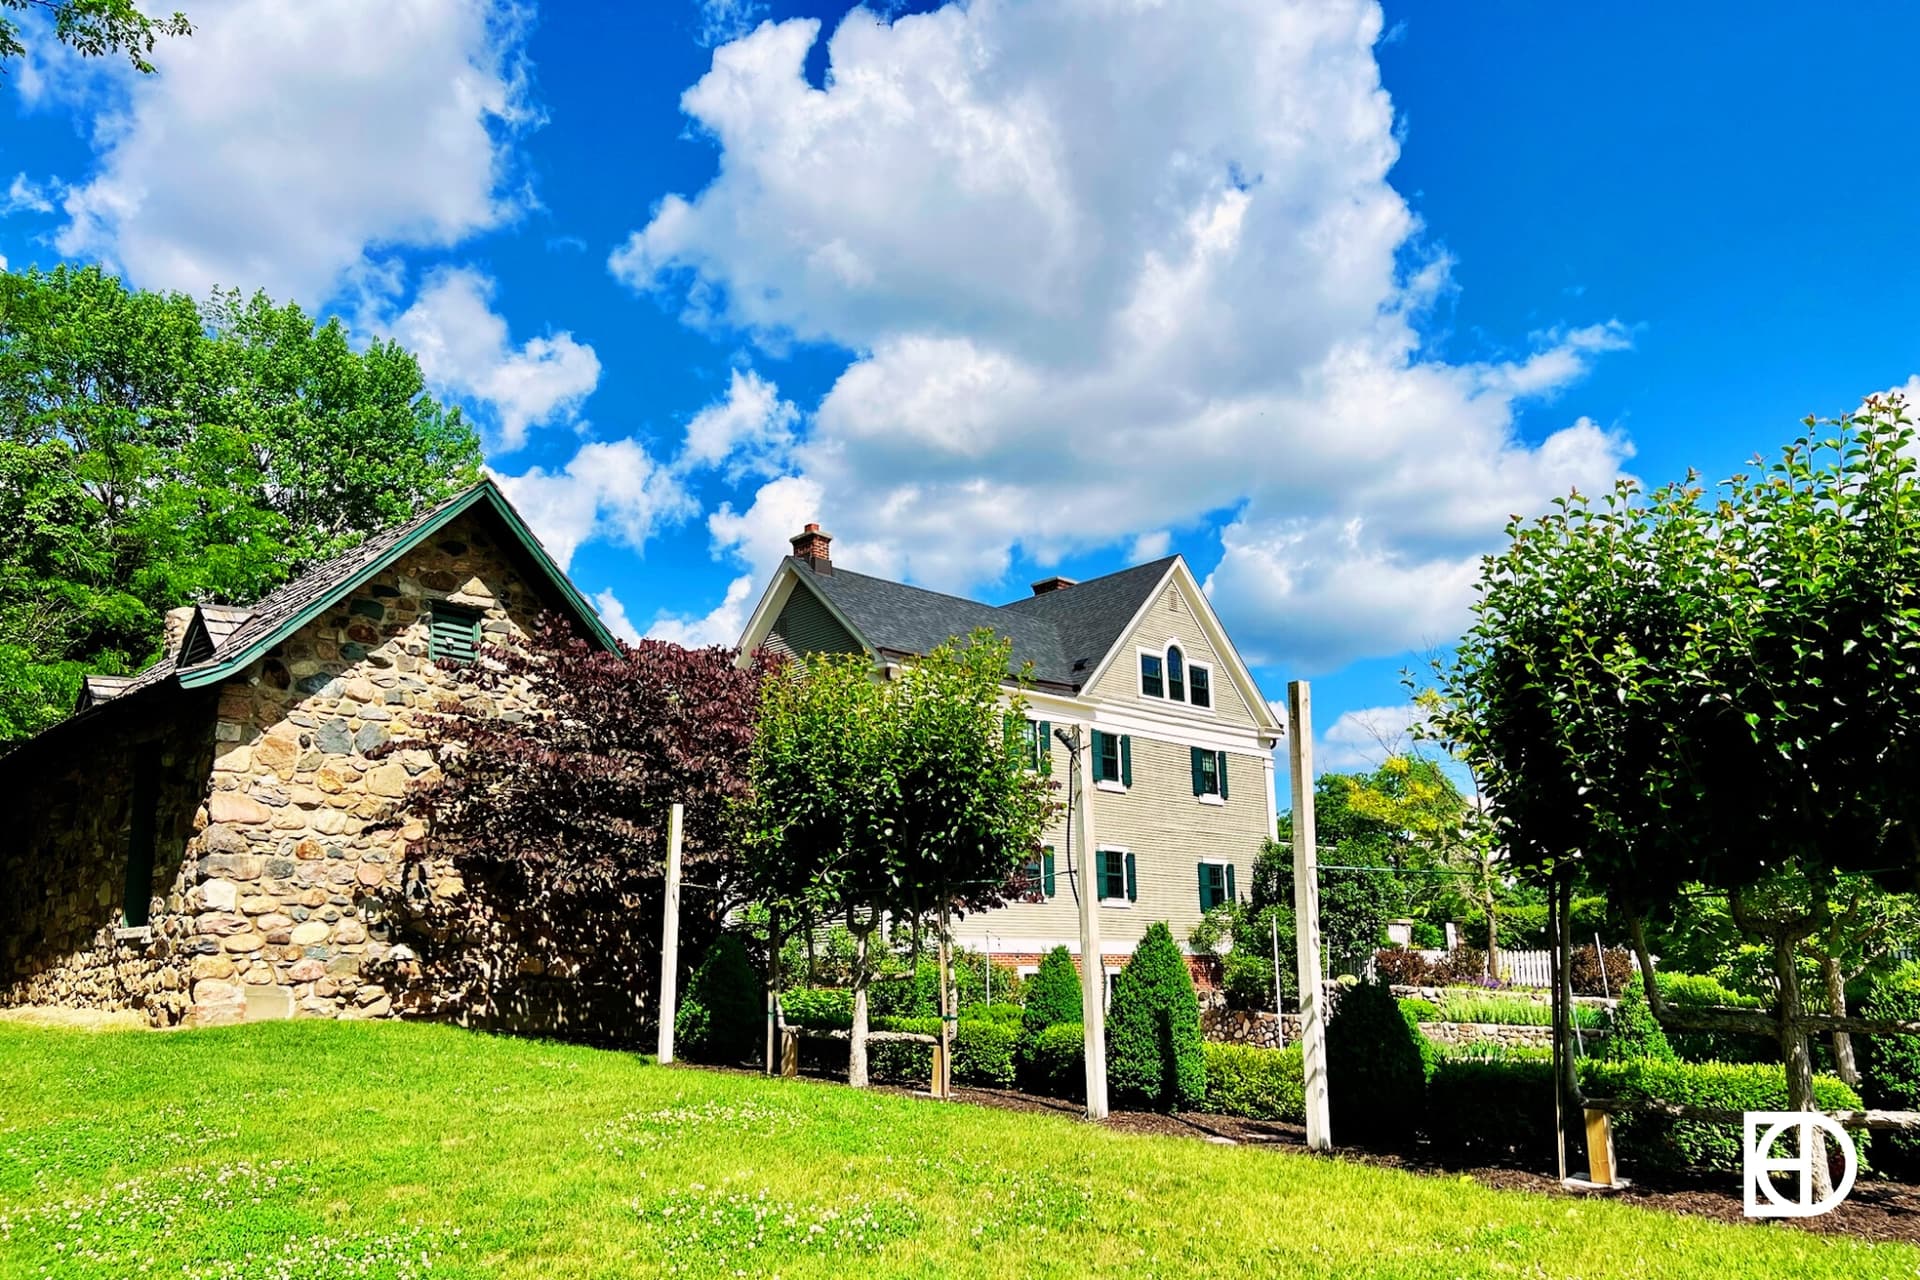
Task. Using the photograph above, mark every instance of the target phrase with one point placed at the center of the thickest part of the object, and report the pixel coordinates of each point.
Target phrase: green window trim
(453, 632)
(1113, 758)
(1117, 874)
(1217, 885)
(1046, 871)
(1209, 772)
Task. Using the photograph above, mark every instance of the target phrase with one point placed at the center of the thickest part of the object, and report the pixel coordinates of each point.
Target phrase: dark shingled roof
(1056, 631)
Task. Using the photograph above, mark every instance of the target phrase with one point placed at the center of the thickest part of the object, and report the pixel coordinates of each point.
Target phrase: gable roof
(225, 639)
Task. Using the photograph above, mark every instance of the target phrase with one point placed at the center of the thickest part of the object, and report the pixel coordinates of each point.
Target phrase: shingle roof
(1054, 637)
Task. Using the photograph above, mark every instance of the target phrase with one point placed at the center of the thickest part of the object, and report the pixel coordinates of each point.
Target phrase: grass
(319, 1150)
(1512, 1011)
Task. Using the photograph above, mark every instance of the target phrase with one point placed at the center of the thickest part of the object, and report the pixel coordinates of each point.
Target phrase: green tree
(1716, 693)
(93, 28)
(1053, 996)
(1154, 1053)
(1359, 893)
(721, 1019)
(155, 453)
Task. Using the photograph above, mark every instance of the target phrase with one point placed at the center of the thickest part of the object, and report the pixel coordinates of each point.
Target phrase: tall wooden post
(1093, 972)
(670, 936)
(1306, 913)
(943, 1052)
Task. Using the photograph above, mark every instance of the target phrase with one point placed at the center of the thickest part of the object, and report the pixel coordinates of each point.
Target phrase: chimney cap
(810, 544)
(1055, 583)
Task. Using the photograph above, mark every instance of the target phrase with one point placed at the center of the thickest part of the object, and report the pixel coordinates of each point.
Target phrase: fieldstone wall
(1268, 1031)
(277, 830)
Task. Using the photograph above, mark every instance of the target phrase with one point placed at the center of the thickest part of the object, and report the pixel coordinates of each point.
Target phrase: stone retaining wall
(1266, 1031)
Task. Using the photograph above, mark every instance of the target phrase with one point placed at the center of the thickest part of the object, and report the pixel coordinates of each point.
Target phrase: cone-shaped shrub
(1154, 1054)
(724, 1013)
(1376, 1068)
(1634, 1033)
(1053, 996)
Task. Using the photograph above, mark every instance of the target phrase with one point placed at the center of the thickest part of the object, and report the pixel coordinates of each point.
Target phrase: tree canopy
(93, 28)
(155, 452)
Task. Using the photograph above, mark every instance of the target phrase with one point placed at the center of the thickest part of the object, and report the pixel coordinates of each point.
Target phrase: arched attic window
(1176, 674)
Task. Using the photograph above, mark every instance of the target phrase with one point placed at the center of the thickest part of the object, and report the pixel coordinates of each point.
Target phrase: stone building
(206, 841)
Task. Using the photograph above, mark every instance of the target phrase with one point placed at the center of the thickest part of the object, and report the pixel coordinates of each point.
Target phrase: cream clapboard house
(1182, 739)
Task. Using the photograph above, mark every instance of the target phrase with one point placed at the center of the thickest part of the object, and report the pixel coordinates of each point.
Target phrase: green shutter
(1233, 894)
(1133, 883)
(453, 632)
(1206, 889)
(1199, 783)
(1099, 744)
(1046, 751)
(1099, 874)
(1221, 764)
(1046, 872)
(1126, 760)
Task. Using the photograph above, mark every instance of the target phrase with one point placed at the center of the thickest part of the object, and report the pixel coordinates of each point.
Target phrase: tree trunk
(943, 1087)
(773, 993)
(1837, 1005)
(1793, 1045)
(1493, 926)
(857, 1054)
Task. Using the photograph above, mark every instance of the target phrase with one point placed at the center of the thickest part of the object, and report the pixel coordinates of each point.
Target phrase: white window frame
(1187, 665)
(1213, 797)
(1140, 677)
(1122, 900)
(1115, 784)
(1223, 864)
(1212, 696)
(1112, 972)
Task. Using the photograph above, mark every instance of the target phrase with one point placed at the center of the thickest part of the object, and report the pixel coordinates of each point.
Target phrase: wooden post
(1306, 912)
(943, 1052)
(1093, 973)
(670, 936)
(1599, 1148)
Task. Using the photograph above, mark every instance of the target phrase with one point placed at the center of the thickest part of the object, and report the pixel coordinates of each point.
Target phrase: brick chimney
(810, 545)
(178, 620)
(1055, 583)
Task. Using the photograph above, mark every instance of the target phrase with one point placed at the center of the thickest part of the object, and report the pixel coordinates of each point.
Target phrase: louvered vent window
(454, 632)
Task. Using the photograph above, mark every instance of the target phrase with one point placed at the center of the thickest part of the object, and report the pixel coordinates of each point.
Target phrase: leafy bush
(1053, 994)
(1464, 964)
(1420, 1010)
(984, 1052)
(1491, 1108)
(1513, 1011)
(1696, 991)
(1493, 1051)
(1260, 1084)
(1428, 937)
(1635, 1034)
(724, 1016)
(1402, 968)
(1055, 1062)
(1376, 1066)
(1604, 974)
(999, 1012)
(1154, 1054)
(1247, 981)
(822, 1008)
(1890, 1069)
(1667, 1145)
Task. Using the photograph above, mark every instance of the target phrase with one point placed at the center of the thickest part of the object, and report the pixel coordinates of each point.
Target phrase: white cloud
(723, 626)
(748, 433)
(614, 614)
(24, 195)
(1108, 269)
(1150, 546)
(612, 490)
(724, 20)
(281, 141)
(1364, 738)
(464, 348)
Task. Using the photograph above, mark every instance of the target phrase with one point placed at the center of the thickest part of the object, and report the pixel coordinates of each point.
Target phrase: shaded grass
(339, 1149)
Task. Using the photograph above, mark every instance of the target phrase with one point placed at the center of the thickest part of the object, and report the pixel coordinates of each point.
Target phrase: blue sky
(1313, 294)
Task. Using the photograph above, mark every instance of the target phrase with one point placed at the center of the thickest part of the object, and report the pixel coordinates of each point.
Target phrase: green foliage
(1491, 1108)
(1153, 1029)
(1055, 1062)
(724, 1017)
(1242, 938)
(920, 998)
(984, 1051)
(1700, 991)
(1635, 1035)
(1355, 905)
(95, 28)
(1890, 1068)
(1511, 1011)
(1428, 937)
(1260, 1084)
(1666, 1145)
(1376, 1067)
(1420, 1010)
(1053, 994)
(823, 1008)
(155, 453)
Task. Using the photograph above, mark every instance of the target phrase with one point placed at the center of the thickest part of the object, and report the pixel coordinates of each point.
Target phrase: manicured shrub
(1420, 1010)
(1691, 990)
(822, 1008)
(1056, 1063)
(1154, 1055)
(1053, 994)
(1402, 968)
(1006, 1015)
(1491, 1108)
(1604, 974)
(1377, 1063)
(1428, 937)
(1260, 1084)
(984, 1052)
(1635, 1035)
(724, 1016)
(1666, 1145)
(1464, 964)
(1890, 1071)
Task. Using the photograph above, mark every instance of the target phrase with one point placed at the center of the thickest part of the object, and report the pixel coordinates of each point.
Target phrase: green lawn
(313, 1150)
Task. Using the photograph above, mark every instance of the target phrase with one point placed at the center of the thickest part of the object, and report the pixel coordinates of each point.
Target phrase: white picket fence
(1520, 968)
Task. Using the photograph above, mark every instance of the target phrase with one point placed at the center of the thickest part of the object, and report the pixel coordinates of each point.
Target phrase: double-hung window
(1209, 773)
(1152, 682)
(1116, 874)
(1037, 877)
(1113, 758)
(1199, 685)
(1216, 885)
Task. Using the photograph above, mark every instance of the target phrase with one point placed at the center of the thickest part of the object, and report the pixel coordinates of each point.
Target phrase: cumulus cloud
(749, 432)
(1364, 738)
(724, 20)
(276, 145)
(722, 626)
(1106, 270)
(24, 195)
(614, 614)
(464, 348)
(611, 490)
